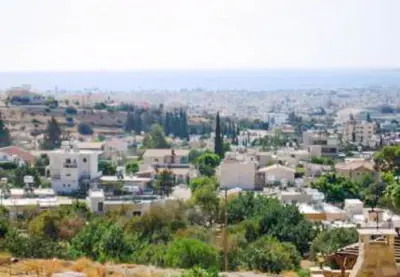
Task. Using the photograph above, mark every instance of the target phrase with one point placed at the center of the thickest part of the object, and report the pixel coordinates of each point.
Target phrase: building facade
(70, 167)
(320, 144)
(360, 132)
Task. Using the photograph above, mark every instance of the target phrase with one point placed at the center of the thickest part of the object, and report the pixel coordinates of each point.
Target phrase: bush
(267, 254)
(188, 253)
(71, 110)
(8, 165)
(85, 129)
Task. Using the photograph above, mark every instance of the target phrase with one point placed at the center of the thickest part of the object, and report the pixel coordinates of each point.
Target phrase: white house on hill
(69, 167)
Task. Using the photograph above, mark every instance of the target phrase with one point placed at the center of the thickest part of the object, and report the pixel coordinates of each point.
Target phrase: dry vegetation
(46, 268)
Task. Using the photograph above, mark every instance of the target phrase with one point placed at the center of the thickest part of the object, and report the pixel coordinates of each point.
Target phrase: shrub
(85, 129)
(188, 253)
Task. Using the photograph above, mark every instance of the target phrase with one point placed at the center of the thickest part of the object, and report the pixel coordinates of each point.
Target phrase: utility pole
(225, 230)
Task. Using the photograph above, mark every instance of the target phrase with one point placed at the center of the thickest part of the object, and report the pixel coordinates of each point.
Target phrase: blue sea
(256, 80)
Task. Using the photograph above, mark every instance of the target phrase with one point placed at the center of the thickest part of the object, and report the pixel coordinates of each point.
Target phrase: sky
(80, 35)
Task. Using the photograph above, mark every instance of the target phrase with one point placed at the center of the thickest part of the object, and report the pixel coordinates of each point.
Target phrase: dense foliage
(52, 135)
(5, 139)
(328, 241)
(337, 188)
(85, 129)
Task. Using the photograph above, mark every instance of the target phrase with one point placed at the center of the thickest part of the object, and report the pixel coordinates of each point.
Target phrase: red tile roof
(19, 152)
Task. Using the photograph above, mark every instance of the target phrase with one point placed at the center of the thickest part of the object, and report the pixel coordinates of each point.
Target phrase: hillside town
(143, 181)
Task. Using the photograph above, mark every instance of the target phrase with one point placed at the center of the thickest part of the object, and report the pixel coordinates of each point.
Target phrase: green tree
(44, 225)
(189, 253)
(337, 188)
(218, 141)
(267, 254)
(85, 129)
(194, 154)
(107, 167)
(156, 138)
(200, 182)
(23, 171)
(5, 139)
(329, 241)
(23, 246)
(199, 272)
(130, 122)
(387, 159)
(207, 163)
(132, 167)
(71, 110)
(207, 199)
(52, 136)
(164, 182)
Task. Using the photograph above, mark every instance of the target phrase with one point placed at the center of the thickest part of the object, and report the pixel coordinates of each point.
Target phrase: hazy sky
(145, 34)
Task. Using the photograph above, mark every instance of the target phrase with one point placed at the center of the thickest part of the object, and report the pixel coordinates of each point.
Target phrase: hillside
(36, 267)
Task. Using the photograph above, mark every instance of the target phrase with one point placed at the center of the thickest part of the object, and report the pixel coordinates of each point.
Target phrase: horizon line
(394, 68)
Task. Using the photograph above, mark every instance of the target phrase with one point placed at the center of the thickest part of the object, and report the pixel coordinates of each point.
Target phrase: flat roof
(377, 232)
(126, 179)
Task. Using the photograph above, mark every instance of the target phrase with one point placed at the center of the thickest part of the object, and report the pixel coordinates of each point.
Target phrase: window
(100, 206)
(68, 161)
(68, 174)
(84, 160)
(137, 213)
(64, 185)
(69, 185)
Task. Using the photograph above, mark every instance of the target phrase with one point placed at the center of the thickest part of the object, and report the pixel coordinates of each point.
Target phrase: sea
(251, 80)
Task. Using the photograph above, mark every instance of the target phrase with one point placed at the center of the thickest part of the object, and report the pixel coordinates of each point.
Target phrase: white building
(237, 171)
(360, 132)
(320, 144)
(69, 167)
(165, 156)
(278, 173)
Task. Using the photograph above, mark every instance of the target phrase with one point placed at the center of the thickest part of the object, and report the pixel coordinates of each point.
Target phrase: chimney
(375, 258)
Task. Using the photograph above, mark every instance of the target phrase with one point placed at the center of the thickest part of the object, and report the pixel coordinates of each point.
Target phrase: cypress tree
(5, 139)
(137, 116)
(52, 138)
(218, 143)
(130, 122)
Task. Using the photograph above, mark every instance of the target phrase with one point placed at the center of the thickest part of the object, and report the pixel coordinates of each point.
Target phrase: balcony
(70, 165)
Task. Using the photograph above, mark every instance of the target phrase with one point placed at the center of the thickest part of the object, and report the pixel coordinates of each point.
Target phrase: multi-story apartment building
(237, 170)
(70, 167)
(320, 144)
(360, 132)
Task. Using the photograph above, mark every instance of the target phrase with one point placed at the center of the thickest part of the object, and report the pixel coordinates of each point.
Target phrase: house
(237, 171)
(20, 206)
(99, 203)
(16, 155)
(356, 170)
(165, 156)
(278, 172)
(130, 184)
(320, 144)
(71, 167)
(320, 211)
(23, 96)
(92, 146)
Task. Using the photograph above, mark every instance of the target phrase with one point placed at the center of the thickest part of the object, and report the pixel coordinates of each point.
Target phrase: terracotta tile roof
(19, 152)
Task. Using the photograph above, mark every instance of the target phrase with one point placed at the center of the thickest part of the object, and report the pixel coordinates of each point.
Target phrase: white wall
(240, 175)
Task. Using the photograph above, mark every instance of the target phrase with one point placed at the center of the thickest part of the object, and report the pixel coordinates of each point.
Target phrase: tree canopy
(207, 162)
(52, 136)
(329, 241)
(5, 139)
(156, 138)
(337, 188)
